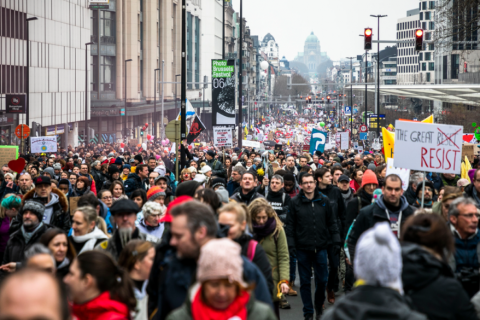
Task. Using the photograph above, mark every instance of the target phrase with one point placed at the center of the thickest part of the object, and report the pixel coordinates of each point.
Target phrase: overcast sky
(336, 23)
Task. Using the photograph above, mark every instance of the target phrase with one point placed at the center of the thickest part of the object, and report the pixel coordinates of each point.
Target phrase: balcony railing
(103, 39)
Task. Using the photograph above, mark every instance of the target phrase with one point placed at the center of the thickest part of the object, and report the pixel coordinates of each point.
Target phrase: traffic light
(323, 100)
(328, 99)
(142, 130)
(306, 100)
(309, 99)
(368, 39)
(418, 39)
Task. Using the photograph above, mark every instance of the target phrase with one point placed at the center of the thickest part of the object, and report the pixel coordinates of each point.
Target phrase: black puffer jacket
(431, 286)
(311, 224)
(361, 199)
(133, 183)
(372, 303)
(280, 202)
(334, 194)
(468, 193)
(410, 195)
(98, 177)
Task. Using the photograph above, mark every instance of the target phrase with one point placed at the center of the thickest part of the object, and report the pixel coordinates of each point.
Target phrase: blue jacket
(133, 183)
(180, 275)
(466, 252)
(231, 187)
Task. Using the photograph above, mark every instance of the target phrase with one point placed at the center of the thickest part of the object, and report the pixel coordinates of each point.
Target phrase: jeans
(333, 264)
(293, 267)
(317, 260)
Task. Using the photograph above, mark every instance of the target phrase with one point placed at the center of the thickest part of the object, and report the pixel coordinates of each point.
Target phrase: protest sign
(469, 150)
(317, 141)
(222, 137)
(43, 144)
(343, 140)
(278, 147)
(360, 149)
(404, 174)
(7, 154)
(253, 144)
(428, 147)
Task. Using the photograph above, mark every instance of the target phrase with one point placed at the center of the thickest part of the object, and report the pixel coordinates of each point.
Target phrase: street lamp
(351, 98)
(240, 93)
(378, 71)
(176, 111)
(27, 85)
(125, 103)
(86, 92)
(155, 102)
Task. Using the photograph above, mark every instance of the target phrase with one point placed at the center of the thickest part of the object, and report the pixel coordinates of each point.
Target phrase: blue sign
(317, 141)
(363, 135)
(348, 110)
(355, 110)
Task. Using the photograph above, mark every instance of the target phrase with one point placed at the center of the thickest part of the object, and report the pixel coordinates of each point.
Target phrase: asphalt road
(296, 312)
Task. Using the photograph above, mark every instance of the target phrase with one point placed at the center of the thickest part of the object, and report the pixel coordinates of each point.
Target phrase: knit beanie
(219, 182)
(50, 171)
(187, 188)
(113, 169)
(372, 166)
(220, 259)
(64, 181)
(378, 259)
(36, 207)
(155, 192)
(179, 200)
(127, 166)
(119, 161)
(369, 177)
(222, 194)
(428, 183)
(139, 158)
(289, 177)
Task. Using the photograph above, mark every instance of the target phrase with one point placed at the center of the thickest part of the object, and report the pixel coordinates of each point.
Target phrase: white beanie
(378, 258)
(205, 169)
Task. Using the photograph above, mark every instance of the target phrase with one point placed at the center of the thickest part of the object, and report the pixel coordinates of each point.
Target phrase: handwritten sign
(428, 146)
(222, 137)
(7, 154)
(43, 144)
(469, 150)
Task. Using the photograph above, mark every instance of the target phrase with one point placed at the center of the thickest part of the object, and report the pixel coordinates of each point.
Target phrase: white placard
(253, 144)
(343, 140)
(404, 174)
(428, 147)
(222, 137)
(360, 149)
(43, 144)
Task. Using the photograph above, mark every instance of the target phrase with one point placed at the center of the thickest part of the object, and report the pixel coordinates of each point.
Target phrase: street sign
(15, 103)
(348, 110)
(363, 128)
(22, 134)
(363, 135)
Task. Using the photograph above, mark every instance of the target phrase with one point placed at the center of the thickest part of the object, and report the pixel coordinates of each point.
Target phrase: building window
(428, 56)
(424, 25)
(431, 25)
(197, 52)
(431, 46)
(421, 16)
(428, 15)
(428, 76)
(424, 5)
(445, 67)
(424, 66)
(455, 65)
(431, 5)
(189, 50)
(431, 66)
(428, 36)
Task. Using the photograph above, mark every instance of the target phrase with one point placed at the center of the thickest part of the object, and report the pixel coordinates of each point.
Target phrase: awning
(451, 93)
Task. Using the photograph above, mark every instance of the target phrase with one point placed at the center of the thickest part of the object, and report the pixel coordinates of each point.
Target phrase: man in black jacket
(248, 192)
(391, 207)
(473, 189)
(137, 180)
(323, 178)
(311, 226)
(218, 170)
(277, 198)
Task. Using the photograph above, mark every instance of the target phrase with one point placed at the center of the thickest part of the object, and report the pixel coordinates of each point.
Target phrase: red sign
(363, 128)
(22, 134)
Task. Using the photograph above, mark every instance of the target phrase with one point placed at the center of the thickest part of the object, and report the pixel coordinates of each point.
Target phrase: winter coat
(218, 170)
(260, 258)
(354, 185)
(452, 182)
(373, 214)
(432, 287)
(157, 232)
(114, 246)
(468, 193)
(346, 198)
(238, 198)
(410, 196)
(280, 202)
(311, 224)
(176, 276)
(372, 303)
(142, 301)
(88, 241)
(133, 183)
(93, 185)
(4, 190)
(276, 247)
(98, 177)
(102, 307)
(232, 186)
(354, 206)
(256, 310)
(334, 194)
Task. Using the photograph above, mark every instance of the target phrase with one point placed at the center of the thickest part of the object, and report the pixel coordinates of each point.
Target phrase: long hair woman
(99, 288)
(56, 240)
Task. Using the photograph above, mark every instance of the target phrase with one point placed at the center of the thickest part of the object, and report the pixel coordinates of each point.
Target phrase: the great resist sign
(428, 147)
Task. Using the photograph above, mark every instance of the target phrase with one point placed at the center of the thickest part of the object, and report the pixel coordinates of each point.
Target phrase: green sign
(222, 69)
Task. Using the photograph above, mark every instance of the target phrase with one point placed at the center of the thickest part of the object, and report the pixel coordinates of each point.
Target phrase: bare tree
(282, 89)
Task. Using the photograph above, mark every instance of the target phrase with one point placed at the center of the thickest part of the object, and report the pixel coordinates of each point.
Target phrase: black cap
(211, 153)
(124, 206)
(343, 178)
(42, 180)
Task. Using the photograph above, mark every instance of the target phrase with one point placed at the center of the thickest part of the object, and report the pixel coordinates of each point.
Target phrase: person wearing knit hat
(156, 194)
(206, 170)
(138, 158)
(428, 198)
(218, 182)
(220, 291)
(222, 194)
(369, 177)
(125, 171)
(119, 163)
(372, 166)
(379, 289)
(49, 171)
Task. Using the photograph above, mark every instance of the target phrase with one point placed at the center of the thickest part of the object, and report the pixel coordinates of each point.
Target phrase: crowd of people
(113, 233)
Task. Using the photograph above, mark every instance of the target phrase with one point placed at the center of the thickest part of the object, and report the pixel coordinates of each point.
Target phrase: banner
(223, 92)
(428, 147)
(222, 137)
(317, 141)
(388, 143)
(253, 144)
(43, 144)
(343, 140)
(195, 130)
(404, 174)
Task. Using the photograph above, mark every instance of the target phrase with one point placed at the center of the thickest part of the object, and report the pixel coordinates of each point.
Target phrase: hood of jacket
(403, 204)
(101, 307)
(134, 176)
(62, 199)
(420, 267)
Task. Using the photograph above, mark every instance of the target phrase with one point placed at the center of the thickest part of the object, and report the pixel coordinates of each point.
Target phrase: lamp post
(240, 115)
(163, 99)
(177, 75)
(378, 71)
(86, 92)
(155, 102)
(125, 103)
(351, 98)
(27, 84)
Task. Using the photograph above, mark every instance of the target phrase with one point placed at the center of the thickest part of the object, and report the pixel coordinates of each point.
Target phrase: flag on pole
(195, 130)
(190, 110)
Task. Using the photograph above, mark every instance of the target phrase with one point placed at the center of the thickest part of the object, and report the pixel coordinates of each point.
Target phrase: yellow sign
(388, 143)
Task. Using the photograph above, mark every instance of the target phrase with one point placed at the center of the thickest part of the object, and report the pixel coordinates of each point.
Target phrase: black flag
(195, 130)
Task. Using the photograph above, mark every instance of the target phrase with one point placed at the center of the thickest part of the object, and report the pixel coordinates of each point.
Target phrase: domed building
(311, 56)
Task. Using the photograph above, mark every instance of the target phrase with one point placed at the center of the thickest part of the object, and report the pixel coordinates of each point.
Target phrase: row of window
(408, 25)
(407, 60)
(423, 5)
(427, 15)
(407, 69)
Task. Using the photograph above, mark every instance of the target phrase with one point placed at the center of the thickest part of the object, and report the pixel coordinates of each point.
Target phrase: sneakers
(291, 292)
(284, 303)
(330, 296)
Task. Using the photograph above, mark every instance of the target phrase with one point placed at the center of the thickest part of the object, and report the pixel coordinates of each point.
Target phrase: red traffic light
(367, 39)
(368, 32)
(323, 98)
(419, 33)
(328, 97)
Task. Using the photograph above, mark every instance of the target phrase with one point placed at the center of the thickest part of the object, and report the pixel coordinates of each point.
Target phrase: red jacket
(354, 185)
(101, 308)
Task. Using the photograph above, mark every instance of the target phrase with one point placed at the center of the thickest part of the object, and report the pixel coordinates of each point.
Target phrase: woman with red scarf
(220, 292)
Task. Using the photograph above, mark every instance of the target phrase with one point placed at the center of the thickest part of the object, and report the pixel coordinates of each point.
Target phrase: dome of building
(267, 38)
(312, 38)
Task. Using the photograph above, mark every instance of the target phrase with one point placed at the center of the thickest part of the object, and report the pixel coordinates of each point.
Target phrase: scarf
(63, 264)
(90, 239)
(347, 194)
(426, 204)
(237, 310)
(149, 227)
(263, 231)
(28, 235)
(248, 196)
(365, 196)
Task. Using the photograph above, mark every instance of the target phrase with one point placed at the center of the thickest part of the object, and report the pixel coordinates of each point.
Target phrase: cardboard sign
(7, 154)
(404, 174)
(73, 204)
(132, 142)
(469, 150)
(428, 147)
(222, 137)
